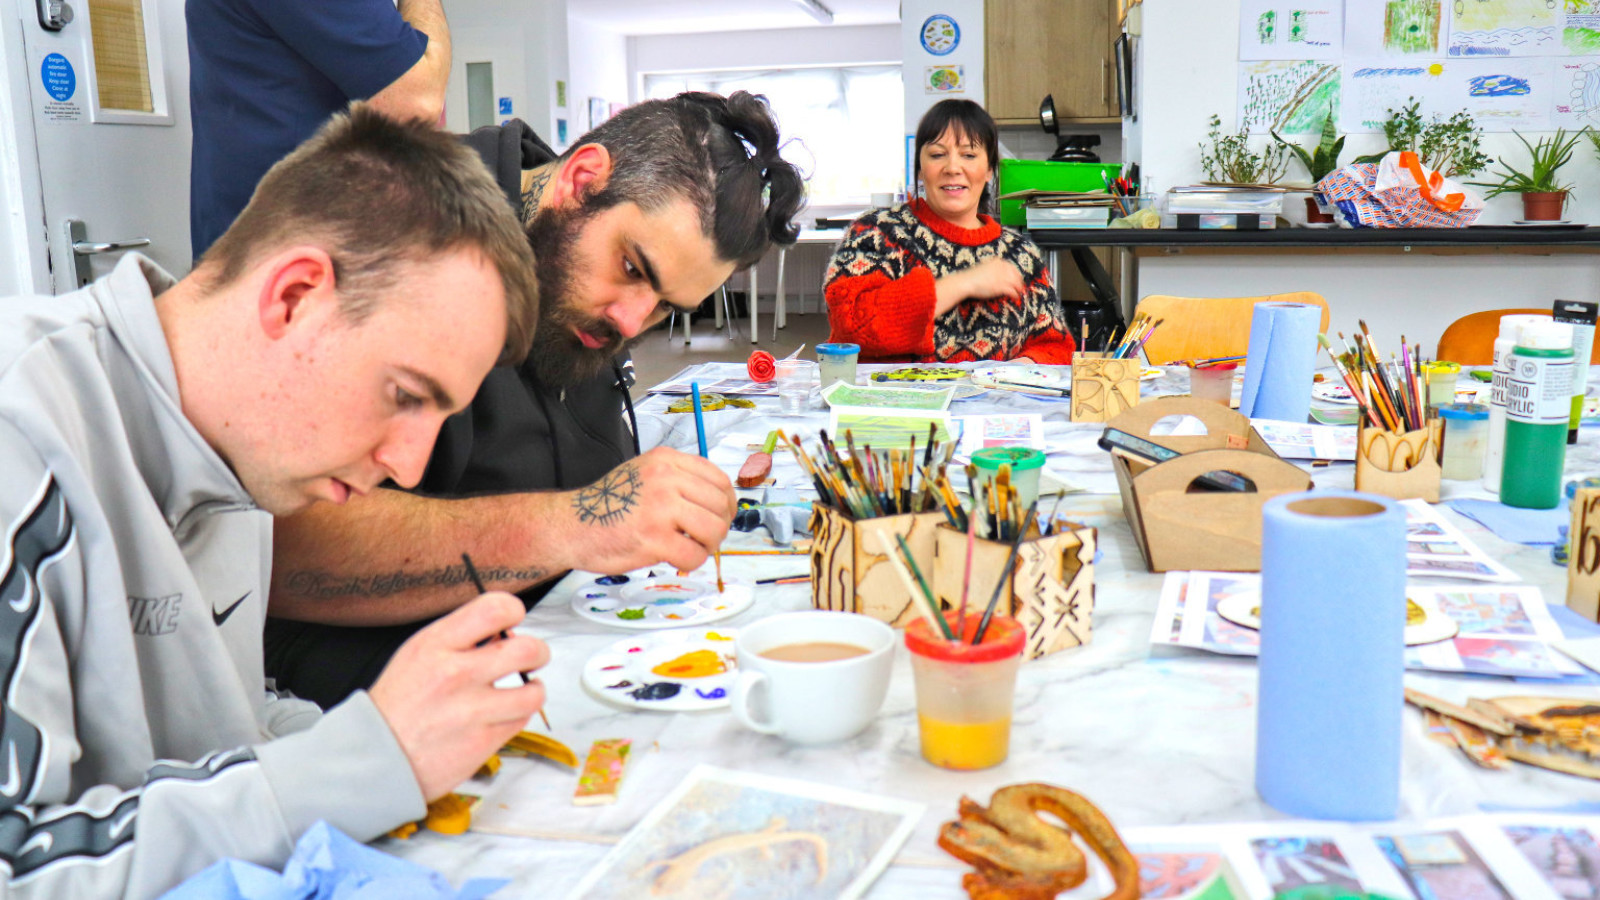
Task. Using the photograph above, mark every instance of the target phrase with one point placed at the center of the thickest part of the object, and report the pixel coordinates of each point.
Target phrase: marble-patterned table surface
(1154, 736)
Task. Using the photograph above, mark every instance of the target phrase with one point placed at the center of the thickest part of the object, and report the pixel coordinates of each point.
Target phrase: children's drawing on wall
(1288, 96)
(1580, 81)
(1273, 29)
(1395, 28)
(1506, 28)
(1501, 94)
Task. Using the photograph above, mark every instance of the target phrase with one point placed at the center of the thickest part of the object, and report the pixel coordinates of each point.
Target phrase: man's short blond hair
(381, 195)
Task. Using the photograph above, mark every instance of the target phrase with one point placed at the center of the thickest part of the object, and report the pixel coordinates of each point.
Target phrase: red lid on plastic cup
(1003, 640)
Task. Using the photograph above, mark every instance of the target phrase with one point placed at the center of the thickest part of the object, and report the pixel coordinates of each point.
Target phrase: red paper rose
(761, 366)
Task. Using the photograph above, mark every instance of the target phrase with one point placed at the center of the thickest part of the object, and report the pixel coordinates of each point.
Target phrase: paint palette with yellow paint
(657, 598)
(672, 671)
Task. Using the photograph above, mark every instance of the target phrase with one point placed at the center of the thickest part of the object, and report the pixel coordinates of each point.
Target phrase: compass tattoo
(611, 498)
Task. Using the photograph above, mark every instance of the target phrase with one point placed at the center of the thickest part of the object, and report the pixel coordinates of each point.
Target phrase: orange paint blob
(699, 664)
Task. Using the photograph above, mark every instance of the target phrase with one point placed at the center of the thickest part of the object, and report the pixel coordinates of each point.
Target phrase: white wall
(1190, 70)
(833, 46)
(597, 61)
(527, 42)
(25, 257)
(968, 53)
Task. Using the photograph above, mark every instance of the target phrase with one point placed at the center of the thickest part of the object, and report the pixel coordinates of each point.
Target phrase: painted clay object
(540, 745)
(601, 777)
(1020, 856)
(1477, 745)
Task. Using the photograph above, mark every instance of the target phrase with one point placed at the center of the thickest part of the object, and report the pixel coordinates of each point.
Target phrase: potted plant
(1228, 159)
(1319, 163)
(1543, 197)
(1448, 146)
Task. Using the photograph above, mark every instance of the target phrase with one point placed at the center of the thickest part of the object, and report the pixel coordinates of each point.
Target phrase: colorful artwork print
(1442, 864)
(1181, 876)
(649, 600)
(1568, 858)
(1288, 96)
(738, 835)
(1479, 612)
(1411, 26)
(1505, 28)
(675, 671)
(1497, 656)
(1293, 862)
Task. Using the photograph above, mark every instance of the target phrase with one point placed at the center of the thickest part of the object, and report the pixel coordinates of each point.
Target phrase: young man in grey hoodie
(149, 431)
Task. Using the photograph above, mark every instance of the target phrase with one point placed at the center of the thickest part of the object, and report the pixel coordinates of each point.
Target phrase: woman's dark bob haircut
(973, 125)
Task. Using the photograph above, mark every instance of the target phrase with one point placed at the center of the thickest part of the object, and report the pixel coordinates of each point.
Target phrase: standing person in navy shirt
(265, 74)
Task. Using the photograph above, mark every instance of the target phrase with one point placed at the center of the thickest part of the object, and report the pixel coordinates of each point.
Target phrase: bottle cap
(1511, 326)
(1464, 411)
(1018, 458)
(1546, 334)
(838, 349)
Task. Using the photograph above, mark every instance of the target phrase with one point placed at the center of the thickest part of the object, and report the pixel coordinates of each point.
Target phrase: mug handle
(743, 690)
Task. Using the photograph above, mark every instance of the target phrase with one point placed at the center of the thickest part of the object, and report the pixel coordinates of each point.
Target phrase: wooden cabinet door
(1058, 47)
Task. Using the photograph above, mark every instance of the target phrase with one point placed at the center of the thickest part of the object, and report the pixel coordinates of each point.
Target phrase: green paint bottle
(1538, 403)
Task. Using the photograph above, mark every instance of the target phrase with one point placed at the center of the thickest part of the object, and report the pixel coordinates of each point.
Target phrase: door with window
(107, 87)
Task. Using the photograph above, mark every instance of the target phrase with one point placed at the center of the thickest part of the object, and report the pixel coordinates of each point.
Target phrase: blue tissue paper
(1333, 618)
(1281, 361)
(328, 865)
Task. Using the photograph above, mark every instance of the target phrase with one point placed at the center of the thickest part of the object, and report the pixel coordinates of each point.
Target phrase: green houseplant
(1319, 163)
(1543, 197)
(1449, 146)
(1228, 159)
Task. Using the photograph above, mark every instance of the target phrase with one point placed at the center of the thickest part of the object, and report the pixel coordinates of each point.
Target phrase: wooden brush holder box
(1382, 458)
(1178, 527)
(1102, 387)
(850, 566)
(1050, 591)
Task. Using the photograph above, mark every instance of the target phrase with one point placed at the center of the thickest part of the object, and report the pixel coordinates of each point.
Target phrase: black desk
(1108, 308)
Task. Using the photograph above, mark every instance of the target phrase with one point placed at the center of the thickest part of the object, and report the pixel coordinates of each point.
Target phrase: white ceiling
(632, 17)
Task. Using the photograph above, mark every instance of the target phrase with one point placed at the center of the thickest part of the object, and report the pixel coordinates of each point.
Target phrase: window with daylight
(841, 126)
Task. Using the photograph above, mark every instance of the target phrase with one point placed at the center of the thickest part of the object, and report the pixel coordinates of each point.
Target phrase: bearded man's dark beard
(557, 356)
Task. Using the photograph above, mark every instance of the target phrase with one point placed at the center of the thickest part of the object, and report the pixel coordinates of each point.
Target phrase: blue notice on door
(505, 106)
(60, 82)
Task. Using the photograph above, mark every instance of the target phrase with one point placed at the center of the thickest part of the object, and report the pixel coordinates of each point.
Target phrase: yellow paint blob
(699, 664)
(965, 745)
(1436, 69)
(1415, 615)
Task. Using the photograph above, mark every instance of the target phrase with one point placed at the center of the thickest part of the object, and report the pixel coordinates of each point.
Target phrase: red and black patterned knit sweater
(880, 290)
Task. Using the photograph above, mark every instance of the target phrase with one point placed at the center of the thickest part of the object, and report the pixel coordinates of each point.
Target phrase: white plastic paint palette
(670, 671)
(1244, 610)
(648, 600)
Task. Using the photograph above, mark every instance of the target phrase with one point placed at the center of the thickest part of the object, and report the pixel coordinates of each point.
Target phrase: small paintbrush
(472, 572)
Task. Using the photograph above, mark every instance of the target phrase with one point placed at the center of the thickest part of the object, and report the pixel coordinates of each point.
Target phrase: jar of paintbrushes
(1397, 443)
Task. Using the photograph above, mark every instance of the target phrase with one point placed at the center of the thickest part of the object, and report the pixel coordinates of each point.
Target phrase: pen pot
(965, 691)
(1103, 387)
(850, 567)
(1050, 591)
(1399, 464)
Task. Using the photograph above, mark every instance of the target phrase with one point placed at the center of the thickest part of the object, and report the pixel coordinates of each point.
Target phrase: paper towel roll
(1333, 618)
(1280, 362)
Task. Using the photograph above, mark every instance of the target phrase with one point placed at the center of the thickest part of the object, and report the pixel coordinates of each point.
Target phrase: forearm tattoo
(609, 500)
(327, 585)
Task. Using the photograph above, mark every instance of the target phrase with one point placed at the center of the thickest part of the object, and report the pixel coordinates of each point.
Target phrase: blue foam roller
(1333, 618)
(1281, 361)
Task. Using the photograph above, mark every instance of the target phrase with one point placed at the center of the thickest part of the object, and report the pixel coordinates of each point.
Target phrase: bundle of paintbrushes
(1392, 395)
(867, 483)
(1135, 337)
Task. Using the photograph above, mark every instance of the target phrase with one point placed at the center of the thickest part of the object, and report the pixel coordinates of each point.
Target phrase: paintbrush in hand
(472, 572)
(700, 437)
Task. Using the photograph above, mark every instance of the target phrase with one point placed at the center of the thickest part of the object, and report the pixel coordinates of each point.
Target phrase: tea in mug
(814, 651)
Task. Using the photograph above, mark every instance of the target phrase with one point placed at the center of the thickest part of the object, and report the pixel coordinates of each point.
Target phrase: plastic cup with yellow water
(965, 691)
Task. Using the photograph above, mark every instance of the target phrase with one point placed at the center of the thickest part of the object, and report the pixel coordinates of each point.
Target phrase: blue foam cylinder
(1281, 361)
(1333, 618)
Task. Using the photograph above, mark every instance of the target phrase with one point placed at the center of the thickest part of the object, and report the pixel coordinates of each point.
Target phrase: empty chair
(1207, 327)
(1470, 339)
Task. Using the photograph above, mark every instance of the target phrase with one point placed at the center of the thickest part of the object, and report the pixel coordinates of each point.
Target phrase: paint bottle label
(1539, 389)
(1502, 371)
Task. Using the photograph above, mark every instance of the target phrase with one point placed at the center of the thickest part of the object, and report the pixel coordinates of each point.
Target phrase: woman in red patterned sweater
(937, 280)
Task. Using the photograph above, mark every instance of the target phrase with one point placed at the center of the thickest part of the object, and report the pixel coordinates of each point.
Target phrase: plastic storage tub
(1043, 175)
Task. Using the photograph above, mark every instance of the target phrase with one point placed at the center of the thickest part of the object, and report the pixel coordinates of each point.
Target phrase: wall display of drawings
(1524, 65)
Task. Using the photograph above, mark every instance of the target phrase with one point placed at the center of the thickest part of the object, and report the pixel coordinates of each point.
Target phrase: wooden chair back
(1470, 339)
(1206, 327)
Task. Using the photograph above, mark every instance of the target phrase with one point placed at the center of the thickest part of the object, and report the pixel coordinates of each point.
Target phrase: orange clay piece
(490, 767)
(404, 832)
(1021, 857)
(450, 814)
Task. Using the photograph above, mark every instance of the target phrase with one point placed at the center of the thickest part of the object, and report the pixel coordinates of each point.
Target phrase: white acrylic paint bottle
(1510, 330)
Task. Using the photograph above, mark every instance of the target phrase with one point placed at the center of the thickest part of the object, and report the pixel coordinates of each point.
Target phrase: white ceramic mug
(812, 702)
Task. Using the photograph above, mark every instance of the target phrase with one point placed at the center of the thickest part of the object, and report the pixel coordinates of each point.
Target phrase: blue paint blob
(611, 579)
(595, 595)
(713, 694)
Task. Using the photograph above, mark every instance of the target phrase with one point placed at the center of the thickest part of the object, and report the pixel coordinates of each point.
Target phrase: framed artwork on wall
(597, 111)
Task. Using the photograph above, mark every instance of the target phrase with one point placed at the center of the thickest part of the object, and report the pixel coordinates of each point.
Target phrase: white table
(780, 306)
(1152, 736)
